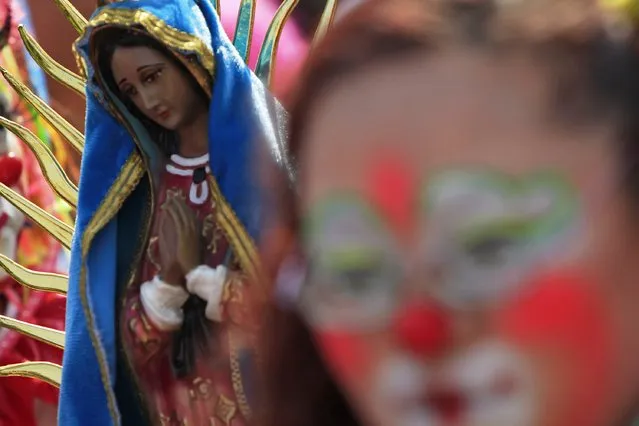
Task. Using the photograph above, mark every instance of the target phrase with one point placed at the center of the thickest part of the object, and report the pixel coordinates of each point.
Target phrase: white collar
(190, 162)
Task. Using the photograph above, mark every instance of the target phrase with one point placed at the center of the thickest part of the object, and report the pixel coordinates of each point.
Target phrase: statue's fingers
(178, 223)
(188, 216)
(178, 208)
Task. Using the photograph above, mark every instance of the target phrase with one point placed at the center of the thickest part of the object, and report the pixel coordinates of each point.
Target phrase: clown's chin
(514, 409)
(487, 385)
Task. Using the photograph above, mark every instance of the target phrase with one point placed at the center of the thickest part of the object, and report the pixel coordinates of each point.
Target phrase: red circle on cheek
(346, 353)
(565, 317)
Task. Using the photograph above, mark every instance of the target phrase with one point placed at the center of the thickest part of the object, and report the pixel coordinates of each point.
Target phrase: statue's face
(471, 261)
(157, 86)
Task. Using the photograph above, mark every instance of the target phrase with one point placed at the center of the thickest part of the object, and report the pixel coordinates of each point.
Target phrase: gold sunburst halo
(45, 371)
(34, 280)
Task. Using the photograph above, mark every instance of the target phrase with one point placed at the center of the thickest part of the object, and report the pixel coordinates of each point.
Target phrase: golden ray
(53, 172)
(325, 21)
(43, 334)
(266, 60)
(61, 74)
(70, 133)
(43, 281)
(244, 29)
(72, 14)
(58, 229)
(45, 371)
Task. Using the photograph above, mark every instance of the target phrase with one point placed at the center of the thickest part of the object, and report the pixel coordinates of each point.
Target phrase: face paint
(391, 188)
(423, 328)
(354, 268)
(566, 320)
(346, 352)
(486, 232)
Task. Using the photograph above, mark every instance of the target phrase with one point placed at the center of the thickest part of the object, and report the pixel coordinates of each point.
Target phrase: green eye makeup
(483, 232)
(354, 266)
(492, 229)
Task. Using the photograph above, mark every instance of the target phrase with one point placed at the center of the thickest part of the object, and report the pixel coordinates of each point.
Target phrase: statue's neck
(194, 137)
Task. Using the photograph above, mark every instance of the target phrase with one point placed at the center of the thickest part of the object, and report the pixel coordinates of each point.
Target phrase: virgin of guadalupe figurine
(160, 327)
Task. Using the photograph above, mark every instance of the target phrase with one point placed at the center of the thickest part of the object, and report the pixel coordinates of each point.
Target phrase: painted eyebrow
(142, 68)
(324, 222)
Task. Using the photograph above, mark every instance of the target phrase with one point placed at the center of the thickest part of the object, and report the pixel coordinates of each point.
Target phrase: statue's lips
(164, 115)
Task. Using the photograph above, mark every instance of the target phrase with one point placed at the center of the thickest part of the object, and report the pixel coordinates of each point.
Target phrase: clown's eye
(359, 279)
(356, 280)
(490, 251)
(353, 273)
(487, 231)
(493, 244)
(485, 264)
(354, 266)
(352, 289)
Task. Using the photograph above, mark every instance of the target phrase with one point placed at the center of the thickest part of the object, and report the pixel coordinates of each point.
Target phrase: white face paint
(399, 386)
(498, 385)
(487, 385)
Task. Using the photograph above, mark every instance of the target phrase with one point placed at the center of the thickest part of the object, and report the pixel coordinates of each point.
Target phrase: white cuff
(162, 303)
(208, 284)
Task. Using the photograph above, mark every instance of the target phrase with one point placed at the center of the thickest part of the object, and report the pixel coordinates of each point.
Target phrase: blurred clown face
(468, 257)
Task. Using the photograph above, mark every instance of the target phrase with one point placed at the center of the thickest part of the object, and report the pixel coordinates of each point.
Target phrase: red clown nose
(10, 169)
(423, 328)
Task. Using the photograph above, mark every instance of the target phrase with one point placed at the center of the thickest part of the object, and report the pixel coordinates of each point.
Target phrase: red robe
(209, 395)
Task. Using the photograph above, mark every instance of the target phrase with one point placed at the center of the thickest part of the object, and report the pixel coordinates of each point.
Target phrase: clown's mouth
(487, 385)
(451, 403)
